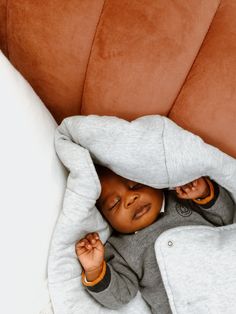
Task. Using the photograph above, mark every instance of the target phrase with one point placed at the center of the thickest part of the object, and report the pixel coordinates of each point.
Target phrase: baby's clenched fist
(90, 253)
(198, 188)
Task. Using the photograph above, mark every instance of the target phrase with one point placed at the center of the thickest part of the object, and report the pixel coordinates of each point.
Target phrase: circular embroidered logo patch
(182, 210)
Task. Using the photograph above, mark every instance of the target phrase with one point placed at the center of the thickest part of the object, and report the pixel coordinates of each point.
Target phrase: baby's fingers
(82, 246)
(189, 187)
(181, 192)
(92, 238)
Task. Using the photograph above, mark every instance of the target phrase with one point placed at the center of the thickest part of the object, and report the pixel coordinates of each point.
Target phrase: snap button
(170, 243)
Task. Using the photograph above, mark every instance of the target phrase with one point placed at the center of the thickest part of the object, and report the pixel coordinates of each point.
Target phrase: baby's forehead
(112, 178)
(110, 183)
(107, 174)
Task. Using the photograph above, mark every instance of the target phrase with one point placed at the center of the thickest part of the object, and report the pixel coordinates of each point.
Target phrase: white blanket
(155, 151)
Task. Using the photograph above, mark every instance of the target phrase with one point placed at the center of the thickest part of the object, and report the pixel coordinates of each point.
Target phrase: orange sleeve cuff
(96, 281)
(207, 199)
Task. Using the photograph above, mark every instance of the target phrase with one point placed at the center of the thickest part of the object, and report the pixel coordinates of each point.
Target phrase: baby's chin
(139, 225)
(148, 220)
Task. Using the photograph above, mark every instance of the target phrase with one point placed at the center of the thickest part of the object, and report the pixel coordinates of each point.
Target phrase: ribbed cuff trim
(210, 197)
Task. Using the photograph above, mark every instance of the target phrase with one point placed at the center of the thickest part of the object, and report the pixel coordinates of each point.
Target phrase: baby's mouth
(142, 210)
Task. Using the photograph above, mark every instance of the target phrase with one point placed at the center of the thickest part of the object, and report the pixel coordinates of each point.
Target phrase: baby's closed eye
(114, 203)
(136, 186)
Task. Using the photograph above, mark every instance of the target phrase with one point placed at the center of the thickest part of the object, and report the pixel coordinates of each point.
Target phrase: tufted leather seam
(3, 31)
(6, 29)
(200, 46)
(90, 53)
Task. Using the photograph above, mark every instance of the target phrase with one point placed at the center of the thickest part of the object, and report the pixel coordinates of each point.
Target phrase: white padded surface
(32, 187)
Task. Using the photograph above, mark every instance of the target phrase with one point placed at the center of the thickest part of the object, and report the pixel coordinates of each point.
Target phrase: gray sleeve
(220, 210)
(120, 283)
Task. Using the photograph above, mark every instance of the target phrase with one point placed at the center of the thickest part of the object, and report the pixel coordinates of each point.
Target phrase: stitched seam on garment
(187, 75)
(167, 281)
(163, 143)
(90, 53)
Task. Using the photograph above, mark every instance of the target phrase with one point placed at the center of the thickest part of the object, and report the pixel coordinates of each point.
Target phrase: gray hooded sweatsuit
(131, 260)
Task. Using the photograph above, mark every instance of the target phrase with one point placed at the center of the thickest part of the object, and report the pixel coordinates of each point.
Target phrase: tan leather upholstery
(130, 58)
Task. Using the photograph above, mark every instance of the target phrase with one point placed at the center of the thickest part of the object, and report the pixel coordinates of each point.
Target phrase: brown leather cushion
(130, 58)
(206, 104)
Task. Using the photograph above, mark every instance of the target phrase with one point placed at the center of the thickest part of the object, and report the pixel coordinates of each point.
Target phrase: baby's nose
(130, 199)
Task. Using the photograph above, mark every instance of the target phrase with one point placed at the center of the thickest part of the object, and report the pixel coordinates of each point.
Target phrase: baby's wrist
(93, 274)
(208, 196)
(206, 192)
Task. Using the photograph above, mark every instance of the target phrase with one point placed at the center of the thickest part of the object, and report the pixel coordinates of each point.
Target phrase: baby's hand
(198, 188)
(90, 252)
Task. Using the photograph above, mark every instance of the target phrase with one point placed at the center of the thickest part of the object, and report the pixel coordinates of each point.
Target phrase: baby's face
(127, 205)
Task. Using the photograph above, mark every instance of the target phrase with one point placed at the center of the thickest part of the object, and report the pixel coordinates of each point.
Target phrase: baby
(138, 214)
